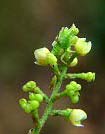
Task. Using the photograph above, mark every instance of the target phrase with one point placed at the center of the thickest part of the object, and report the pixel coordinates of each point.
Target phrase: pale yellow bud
(76, 116)
(74, 62)
(41, 56)
(82, 47)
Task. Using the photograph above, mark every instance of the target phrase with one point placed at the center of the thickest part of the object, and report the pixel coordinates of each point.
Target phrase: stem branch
(49, 106)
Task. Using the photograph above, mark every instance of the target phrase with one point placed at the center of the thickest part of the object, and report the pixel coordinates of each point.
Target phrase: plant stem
(49, 106)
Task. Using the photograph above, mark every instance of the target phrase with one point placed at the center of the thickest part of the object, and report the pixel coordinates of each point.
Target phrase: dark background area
(26, 25)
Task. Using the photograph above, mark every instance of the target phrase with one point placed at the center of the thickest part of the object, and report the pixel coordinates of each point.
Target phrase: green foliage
(66, 48)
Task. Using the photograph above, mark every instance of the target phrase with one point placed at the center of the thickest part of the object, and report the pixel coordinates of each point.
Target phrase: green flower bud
(23, 103)
(70, 92)
(32, 96)
(74, 30)
(51, 59)
(76, 116)
(74, 62)
(29, 86)
(73, 86)
(75, 99)
(88, 76)
(41, 56)
(37, 97)
(33, 104)
(28, 108)
(82, 47)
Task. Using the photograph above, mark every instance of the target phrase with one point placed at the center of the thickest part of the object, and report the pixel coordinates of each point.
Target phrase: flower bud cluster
(88, 76)
(32, 104)
(65, 38)
(68, 41)
(72, 90)
(34, 100)
(67, 35)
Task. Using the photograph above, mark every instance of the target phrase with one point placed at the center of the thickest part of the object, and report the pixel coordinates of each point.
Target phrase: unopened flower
(82, 47)
(28, 106)
(74, 86)
(33, 104)
(74, 99)
(45, 57)
(29, 86)
(77, 116)
(89, 76)
(41, 56)
(37, 97)
(23, 103)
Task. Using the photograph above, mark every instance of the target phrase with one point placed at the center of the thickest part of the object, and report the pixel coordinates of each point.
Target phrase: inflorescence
(66, 49)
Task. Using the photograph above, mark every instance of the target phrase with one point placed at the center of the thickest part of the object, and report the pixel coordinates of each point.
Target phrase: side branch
(89, 76)
(63, 113)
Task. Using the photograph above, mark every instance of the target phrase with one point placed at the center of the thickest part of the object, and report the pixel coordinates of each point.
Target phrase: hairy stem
(49, 106)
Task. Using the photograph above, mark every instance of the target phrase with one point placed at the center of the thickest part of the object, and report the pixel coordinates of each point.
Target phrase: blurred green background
(26, 25)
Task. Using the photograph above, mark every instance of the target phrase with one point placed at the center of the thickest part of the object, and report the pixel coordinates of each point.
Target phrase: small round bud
(41, 55)
(76, 116)
(74, 62)
(33, 104)
(32, 96)
(29, 86)
(73, 83)
(51, 59)
(23, 103)
(82, 47)
(71, 93)
(37, 97)
(75, 99)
